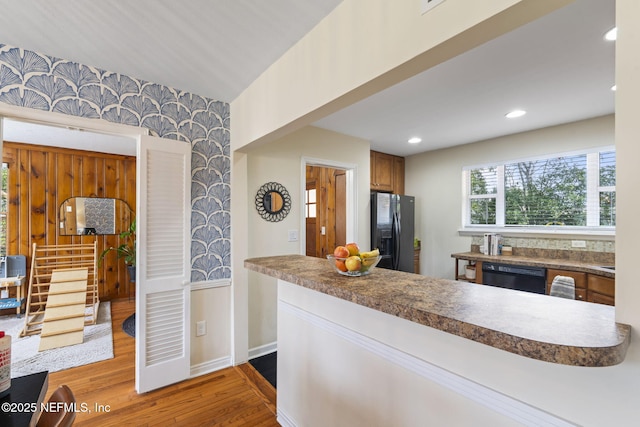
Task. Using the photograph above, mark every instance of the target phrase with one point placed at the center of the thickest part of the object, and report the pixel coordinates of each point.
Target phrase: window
(310, 203)
(569, 191)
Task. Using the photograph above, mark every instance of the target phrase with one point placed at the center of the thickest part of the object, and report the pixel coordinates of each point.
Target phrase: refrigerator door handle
(396, 241)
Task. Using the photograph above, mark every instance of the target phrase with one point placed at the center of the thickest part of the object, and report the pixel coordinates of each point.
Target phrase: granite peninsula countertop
(557, 263)
(537, 326)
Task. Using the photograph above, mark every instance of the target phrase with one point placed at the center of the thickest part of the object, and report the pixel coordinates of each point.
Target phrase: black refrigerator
(392, 230)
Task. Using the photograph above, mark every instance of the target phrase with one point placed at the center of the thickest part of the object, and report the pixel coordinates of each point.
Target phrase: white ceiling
(558, 68)
(214, 48)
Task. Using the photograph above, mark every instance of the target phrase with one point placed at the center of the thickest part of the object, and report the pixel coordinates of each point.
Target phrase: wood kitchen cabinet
(601, 289)
(398, 175)
(589, 287)
(387, 172)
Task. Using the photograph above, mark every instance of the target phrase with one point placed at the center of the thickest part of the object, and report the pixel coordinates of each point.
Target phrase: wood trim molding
(210, 366)
(210, 284)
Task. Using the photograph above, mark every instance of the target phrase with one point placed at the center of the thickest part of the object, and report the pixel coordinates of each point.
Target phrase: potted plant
(126, 250)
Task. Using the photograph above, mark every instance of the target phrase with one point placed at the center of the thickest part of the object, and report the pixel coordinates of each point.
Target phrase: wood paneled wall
(42, 178)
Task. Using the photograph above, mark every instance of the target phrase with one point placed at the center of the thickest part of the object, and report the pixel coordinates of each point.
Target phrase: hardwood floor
(235, 396)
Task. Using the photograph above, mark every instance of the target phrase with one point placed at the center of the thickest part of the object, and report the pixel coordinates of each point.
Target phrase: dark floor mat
(266, 365)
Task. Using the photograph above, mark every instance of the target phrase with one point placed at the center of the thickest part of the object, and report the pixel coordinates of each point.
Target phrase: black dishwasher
(520, 278)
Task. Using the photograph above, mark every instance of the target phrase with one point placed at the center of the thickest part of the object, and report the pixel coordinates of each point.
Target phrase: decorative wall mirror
(273, 202)
(82, 216)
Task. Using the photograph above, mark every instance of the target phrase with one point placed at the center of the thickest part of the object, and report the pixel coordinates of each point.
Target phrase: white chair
(563, 287)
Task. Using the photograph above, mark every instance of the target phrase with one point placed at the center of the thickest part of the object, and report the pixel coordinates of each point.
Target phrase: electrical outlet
(201, 328)
(578, 244)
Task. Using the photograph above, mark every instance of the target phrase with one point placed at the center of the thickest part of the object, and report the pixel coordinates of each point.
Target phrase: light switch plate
(293, 235)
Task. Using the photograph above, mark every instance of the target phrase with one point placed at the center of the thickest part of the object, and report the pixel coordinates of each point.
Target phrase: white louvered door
(163, 265)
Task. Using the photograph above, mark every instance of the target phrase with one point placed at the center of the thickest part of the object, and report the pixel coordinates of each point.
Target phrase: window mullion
(593, 194)
(500, 197)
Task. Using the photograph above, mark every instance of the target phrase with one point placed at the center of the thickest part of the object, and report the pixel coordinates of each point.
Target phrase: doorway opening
(329, 206)
(325, 210)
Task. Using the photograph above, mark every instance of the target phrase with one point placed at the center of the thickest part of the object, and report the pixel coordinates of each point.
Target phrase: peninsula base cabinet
(342, 364)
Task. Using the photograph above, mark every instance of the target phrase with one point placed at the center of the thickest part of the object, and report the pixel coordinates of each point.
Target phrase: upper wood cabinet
(387, 172)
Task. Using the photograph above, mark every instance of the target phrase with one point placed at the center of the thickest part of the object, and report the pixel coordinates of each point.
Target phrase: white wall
(362, 48)
(280, 161)
(627, 166)
(212, 305)
(435, 179)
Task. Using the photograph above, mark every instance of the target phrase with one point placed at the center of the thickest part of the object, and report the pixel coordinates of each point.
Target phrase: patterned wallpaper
(32, 80)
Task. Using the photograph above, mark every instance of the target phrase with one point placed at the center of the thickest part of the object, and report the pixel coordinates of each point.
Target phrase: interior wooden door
(326, 220)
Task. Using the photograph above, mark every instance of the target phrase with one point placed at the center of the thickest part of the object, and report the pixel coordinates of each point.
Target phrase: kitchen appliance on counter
(520, 278)
(392, 230)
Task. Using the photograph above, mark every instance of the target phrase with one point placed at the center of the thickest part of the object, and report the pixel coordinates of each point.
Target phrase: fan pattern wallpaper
(32, 80)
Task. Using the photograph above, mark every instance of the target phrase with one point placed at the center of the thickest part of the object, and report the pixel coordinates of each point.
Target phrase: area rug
(26, 359)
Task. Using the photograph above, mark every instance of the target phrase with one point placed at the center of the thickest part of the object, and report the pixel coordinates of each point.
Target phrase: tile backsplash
(561, 244)
(597, 251)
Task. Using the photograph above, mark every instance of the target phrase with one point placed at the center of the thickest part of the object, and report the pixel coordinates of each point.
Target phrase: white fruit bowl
(368, 264)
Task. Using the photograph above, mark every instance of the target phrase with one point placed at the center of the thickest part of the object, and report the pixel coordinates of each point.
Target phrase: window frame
(592, 229)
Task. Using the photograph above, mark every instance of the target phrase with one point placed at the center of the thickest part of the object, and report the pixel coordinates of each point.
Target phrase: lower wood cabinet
(601, 290)
(589, 287)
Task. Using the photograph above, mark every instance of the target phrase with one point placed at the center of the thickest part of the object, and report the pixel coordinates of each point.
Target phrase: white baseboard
(210, 284)
(516, 410)
(210, 366)
(284, 420)
(262, 350)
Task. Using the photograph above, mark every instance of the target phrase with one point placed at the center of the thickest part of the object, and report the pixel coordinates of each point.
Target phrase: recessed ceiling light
(515, 113)
(612, 34)
(414, 140)
(613, 88)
